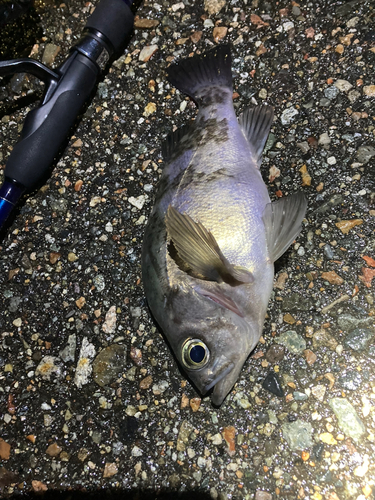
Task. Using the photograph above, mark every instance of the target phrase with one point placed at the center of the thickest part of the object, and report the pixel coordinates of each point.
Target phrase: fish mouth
(223, 373)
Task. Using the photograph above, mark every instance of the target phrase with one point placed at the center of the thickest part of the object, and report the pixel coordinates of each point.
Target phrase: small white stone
(288, 115)
(7, 418)
(288, 25)
(94, 201)
(217, 439)
(17, 322)
(84, 365)
(136, 452)
(147, 52)
(343, 85)
(137, 202)
(324, 139)
(178, 6)
(331, 160)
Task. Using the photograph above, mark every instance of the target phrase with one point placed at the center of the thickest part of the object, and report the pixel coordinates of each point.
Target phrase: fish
(213, 234)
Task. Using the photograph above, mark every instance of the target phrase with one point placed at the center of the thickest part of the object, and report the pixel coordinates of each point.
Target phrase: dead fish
(213, 234)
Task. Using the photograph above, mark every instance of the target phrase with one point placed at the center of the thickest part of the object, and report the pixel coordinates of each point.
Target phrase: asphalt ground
(300, 422)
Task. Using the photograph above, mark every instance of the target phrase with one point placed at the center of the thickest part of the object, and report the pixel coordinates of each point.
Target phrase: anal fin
(198, 248)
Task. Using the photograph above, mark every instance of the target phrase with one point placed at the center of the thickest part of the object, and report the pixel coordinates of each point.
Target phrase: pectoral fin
(282, 220)
(198, 248)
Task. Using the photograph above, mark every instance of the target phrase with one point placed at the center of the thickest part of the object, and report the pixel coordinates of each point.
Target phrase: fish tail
(195, 74)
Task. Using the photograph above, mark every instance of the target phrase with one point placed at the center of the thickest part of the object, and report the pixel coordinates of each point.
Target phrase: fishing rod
(67, 89)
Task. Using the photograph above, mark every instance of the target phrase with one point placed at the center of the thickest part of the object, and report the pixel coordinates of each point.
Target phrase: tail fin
(213, 68)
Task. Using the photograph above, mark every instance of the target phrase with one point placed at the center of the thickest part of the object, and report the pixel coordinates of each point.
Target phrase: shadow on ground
(117, 494)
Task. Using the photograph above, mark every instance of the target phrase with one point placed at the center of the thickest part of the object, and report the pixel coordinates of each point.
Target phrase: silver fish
(213, 234)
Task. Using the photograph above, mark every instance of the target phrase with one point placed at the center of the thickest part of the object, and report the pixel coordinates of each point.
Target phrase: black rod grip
(46, 128)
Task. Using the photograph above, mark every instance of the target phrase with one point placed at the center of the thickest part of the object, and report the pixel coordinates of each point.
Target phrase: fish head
(210, 337)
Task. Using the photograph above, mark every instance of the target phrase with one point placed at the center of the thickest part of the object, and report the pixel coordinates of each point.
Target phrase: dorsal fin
(282, 220)
(256, 123)
(198, 248)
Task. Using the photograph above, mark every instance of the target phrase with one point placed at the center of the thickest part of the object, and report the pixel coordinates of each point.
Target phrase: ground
(92, 400)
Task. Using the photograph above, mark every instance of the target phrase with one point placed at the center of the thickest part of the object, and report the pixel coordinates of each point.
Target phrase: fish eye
(195, 353)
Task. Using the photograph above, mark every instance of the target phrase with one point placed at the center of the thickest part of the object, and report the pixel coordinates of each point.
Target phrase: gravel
(93, 403)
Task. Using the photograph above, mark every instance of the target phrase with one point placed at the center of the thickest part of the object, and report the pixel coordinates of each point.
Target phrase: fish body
(211, 240)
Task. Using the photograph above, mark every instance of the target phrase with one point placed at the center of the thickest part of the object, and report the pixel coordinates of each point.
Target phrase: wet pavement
(92, 400)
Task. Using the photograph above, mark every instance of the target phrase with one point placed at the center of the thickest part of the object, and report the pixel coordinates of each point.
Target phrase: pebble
(288, 115)
(365, 153)
(272, 384)
(109, 364)
(145, 23)
(109, 325)
(300, 396)
(84, 367)
(50, 53)
(53, 450)
(262, 495)
(186, 429)
(214, 6)
(149, 109)
(318, 391)
(343, 85)
(195, 404)
(310, 356)
(359, 339)
(369, 90)
(4, 450)
(348, 419)
(350, 380)
(362, 469)
(217, 439)
(137, 202)
(68, 353)
(275, 353)
(219, 33)
(136, 451)
(322, 338)
(324, 139)
(145, 383)
(17, 322)
(292, 341)
(159, 388)
(229, 434)
(99, 282)
(327, 438)
(147, 52)
(49, 365)
(110, 469)
(332, 277)
(331, 92)
(298, 434)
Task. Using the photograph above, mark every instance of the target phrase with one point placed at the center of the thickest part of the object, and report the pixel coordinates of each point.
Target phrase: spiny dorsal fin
(256, 123)
(282, 220)
(198, 248)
